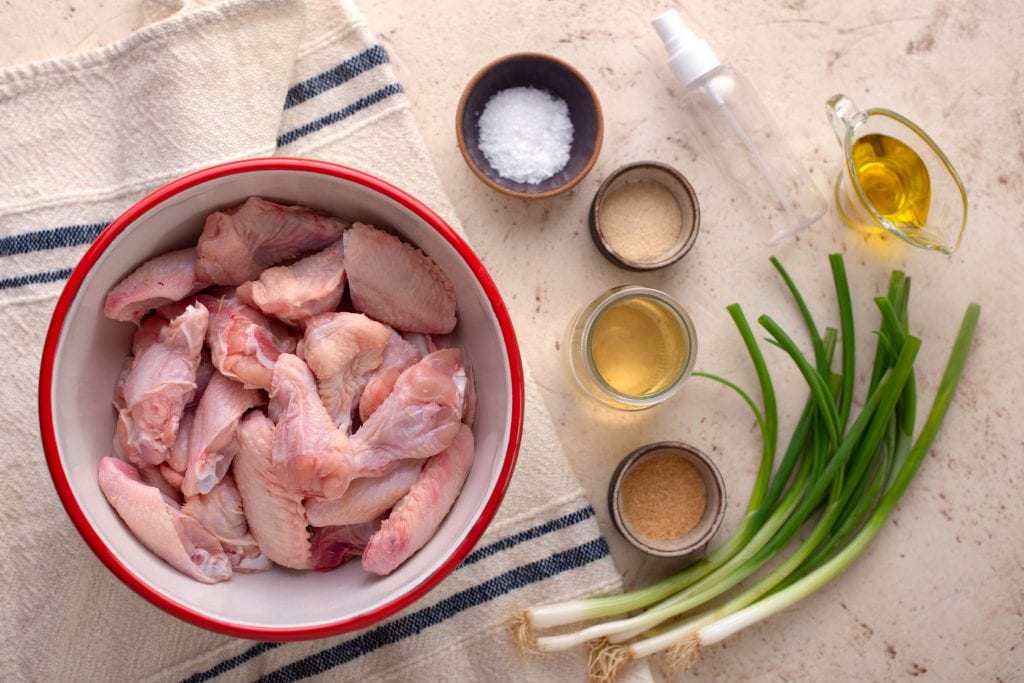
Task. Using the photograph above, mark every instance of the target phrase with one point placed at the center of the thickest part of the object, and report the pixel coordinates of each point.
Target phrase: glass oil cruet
(896, 178)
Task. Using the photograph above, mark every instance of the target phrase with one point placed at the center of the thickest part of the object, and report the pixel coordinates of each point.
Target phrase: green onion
(846, 329)
(723, 628)
(812, 328)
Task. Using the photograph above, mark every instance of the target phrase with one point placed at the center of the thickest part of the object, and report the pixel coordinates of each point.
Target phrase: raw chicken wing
(419, 514)
(153, 476)
(156, 282)
(398, 355)
(424, 343)
(343, 350)
(172, 476)
(420, 418)
(365, 499)
(238, 244)
(204, 373)
(276, 517)
(148, 333)
(294, 293)
(469, 404)
(244, 343)
(396, 283)
(469, 407)
(177, 457)
(312, 456)
(161, 526)
(220, 512)
(256, 423)
(118, 400)
(212, 442)
(334, 545)
(159, 386)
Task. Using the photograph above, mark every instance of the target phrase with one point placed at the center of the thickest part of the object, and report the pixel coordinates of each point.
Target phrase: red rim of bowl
(67, 298)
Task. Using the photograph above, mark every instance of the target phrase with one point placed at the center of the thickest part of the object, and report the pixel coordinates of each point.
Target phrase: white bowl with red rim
(84, 351)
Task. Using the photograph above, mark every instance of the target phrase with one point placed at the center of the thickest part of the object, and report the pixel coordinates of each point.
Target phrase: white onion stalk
(549, 616)
(707, 631)
(621, 630)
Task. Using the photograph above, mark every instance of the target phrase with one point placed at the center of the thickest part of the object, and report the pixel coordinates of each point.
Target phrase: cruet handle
(842, 113)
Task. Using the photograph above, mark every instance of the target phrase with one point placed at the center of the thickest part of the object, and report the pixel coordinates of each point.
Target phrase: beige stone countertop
(940, 593)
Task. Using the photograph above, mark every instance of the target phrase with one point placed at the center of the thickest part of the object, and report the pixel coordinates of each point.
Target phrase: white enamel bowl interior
(91, 350)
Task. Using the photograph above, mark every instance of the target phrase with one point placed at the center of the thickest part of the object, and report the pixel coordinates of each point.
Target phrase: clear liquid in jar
(639, 346)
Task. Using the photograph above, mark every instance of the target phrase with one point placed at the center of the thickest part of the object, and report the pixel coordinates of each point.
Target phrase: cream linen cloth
(82, 138)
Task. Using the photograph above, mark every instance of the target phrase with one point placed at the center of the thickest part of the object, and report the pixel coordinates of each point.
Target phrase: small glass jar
(632, 347)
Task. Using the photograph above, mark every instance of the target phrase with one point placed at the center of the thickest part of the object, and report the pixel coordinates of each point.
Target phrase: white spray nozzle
(673, 30)
(689, 56)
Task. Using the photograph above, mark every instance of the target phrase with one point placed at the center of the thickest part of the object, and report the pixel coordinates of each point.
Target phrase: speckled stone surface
(940, 593)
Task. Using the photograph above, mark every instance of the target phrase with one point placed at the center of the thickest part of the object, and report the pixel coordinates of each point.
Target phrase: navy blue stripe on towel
(52, 238)
(35, 278)
(76, 235)
(332, 78)
(229, 664)
(528, 535)
(411, 624)
(597, 546)
(343, 113)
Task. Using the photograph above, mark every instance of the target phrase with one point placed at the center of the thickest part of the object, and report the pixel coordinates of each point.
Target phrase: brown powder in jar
(663, 497)
(641, 221)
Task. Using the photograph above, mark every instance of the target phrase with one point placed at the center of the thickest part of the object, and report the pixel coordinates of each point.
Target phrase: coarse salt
(526, 134)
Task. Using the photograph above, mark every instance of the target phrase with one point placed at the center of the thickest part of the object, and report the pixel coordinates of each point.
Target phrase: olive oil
(893, 178)
(639, 346)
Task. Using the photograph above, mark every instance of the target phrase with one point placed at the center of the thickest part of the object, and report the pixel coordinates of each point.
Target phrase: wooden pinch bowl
(543, 72)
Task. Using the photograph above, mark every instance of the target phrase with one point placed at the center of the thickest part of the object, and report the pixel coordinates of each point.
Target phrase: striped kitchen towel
(83, 137)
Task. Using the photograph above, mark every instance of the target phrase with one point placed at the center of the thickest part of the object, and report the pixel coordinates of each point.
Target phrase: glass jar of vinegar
(632, 347)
